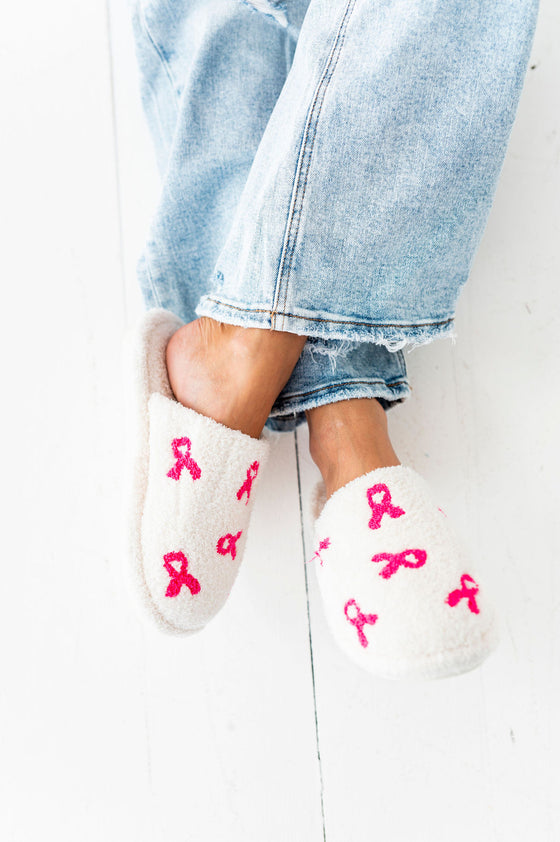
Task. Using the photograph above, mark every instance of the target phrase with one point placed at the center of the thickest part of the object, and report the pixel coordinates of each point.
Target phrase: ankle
(249, 342)
(350, 426)
(231, 373)
(348, 439)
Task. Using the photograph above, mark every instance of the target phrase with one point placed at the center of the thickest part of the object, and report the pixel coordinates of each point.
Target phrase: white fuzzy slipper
(400, 595)
(193, 483)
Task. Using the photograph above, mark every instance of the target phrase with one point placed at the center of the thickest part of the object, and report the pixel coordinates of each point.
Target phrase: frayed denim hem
(291, 413)
(394, 335)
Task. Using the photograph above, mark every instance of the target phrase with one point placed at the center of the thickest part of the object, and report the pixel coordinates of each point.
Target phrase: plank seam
(310, 638)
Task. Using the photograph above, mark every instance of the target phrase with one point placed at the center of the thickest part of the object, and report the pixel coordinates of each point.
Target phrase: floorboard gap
(310, 636)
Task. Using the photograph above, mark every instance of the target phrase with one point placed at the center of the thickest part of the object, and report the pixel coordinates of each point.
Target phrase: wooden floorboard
(257, 728)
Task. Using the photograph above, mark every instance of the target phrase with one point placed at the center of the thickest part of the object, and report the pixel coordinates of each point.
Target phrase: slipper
(192, 486)
(401, 597)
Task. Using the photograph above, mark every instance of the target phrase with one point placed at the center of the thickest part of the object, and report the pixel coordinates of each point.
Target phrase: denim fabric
(328, 167)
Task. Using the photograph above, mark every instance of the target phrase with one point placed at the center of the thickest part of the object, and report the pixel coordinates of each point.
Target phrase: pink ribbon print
(179, 577)
(184, 460)
(359, 620)
(252, 472)
(323, 545)
(464, 592)
(397, 560)
(228, 544)
(382, 507)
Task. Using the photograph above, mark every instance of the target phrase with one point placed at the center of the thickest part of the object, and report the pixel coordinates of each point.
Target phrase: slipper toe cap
(401, 596)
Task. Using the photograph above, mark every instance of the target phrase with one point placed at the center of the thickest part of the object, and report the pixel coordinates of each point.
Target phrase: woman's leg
(361, 211)
(212, 71)
(348, 439)
(350, 239)
(371, 186)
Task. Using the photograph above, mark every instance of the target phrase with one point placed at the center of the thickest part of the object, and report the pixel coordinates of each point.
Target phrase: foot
(400, 592)
(349, 438)
(229, 373)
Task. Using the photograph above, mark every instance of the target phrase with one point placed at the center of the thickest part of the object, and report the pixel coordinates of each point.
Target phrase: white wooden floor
(257, 729)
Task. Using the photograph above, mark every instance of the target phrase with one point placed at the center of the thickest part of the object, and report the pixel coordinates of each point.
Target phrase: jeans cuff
(290, 413)
(394, 336)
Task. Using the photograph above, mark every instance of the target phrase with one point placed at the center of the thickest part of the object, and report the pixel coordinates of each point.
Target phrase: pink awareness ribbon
(397, 560)
(323, 545)
(465, 592)
(359, 620)
(227, 544)
(179, 577)
(384, 507)
(184, 460)
(248, 484)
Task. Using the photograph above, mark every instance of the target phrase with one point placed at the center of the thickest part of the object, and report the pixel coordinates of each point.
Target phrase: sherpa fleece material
(400, 595)
(193, 483)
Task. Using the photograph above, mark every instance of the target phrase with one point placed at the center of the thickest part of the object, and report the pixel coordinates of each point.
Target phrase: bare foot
(349, 438)
(229, 373)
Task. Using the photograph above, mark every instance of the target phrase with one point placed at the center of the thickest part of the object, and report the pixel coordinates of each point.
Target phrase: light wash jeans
(328, 168)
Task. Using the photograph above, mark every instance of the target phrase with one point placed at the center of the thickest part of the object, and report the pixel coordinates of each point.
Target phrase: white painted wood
(476, 756)
(70, 761)
(109, 730)
(139, 182)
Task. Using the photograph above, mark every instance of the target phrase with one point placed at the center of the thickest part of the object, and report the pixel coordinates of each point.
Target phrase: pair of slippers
(400, 597)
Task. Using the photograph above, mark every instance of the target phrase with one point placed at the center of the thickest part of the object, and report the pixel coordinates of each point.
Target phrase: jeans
(327, 167)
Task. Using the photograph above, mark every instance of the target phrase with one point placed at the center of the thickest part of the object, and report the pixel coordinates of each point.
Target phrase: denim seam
(331, 321)
(153, 287)
(307, 145)
(156, 104)
(159, 51)
(401, 360)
